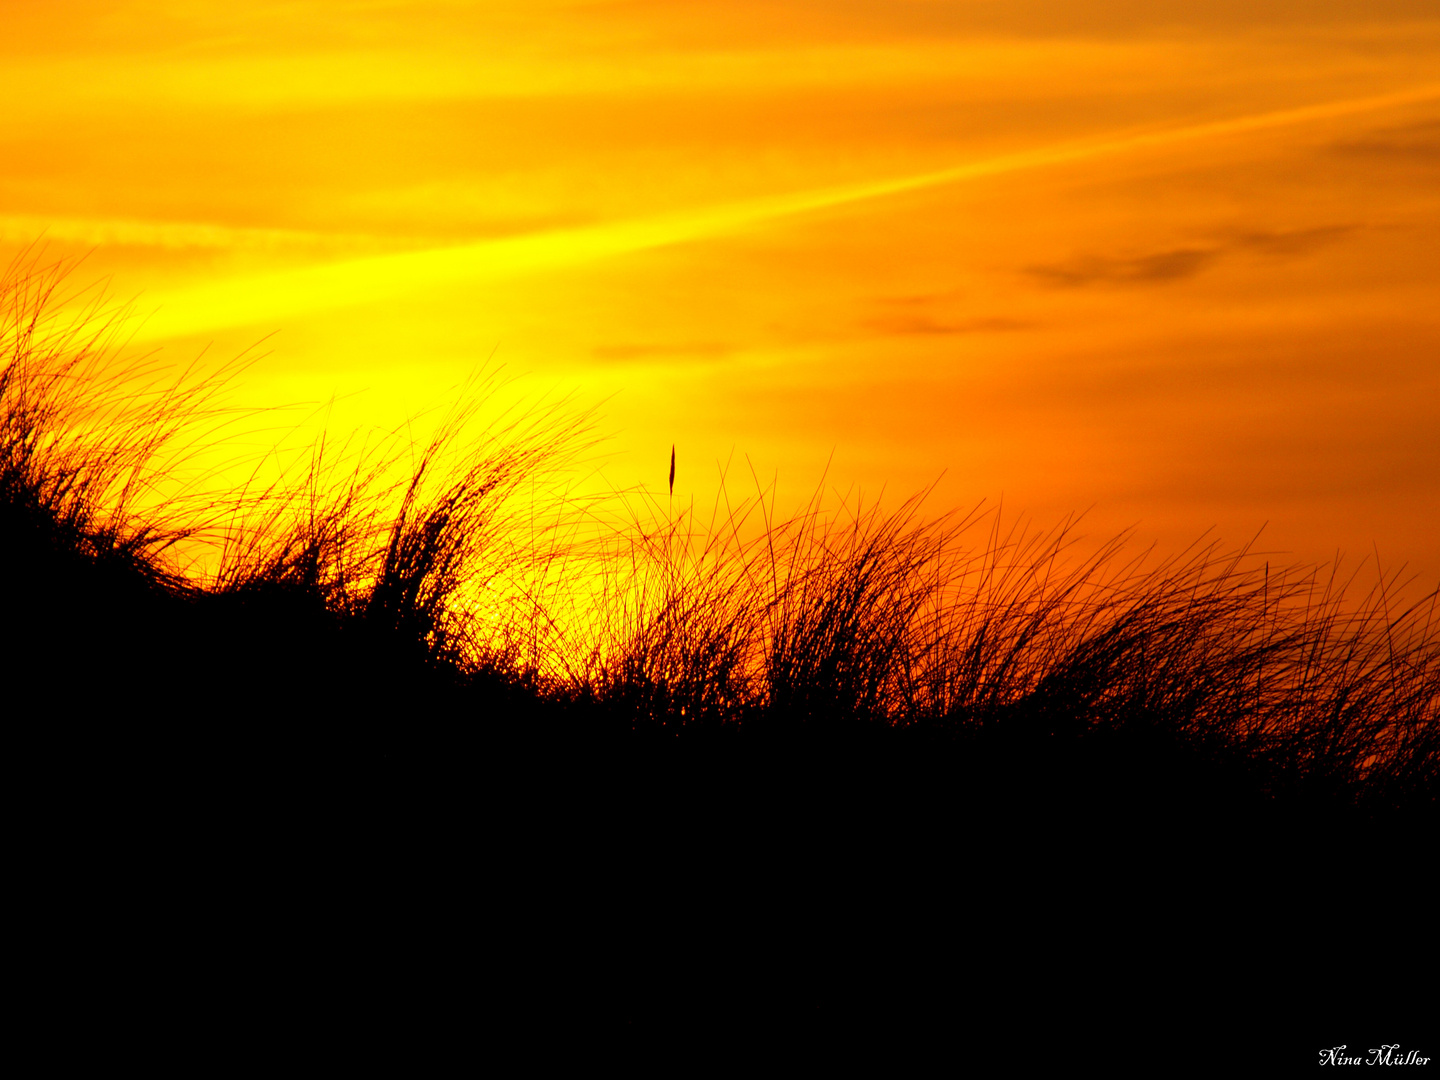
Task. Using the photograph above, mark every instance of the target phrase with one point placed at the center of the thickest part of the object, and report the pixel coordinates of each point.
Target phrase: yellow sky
(1171, 262)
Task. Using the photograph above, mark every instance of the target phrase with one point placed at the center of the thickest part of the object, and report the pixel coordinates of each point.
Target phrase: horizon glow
(1172, 265)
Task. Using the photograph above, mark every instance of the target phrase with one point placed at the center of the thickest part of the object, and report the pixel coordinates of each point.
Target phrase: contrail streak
(275, 297)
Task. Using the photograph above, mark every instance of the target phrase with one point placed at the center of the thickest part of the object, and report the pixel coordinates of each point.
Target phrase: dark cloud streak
(1419, 143)
(1178, 264)
(924, 324)
(1158, 267)
(1108, 17)
(1294, 241)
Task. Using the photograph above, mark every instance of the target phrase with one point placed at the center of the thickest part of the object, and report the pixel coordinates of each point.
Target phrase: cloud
(637, 351)
(1178, 264)
(1418, 143)
(1118, 17)
(1156, 268)
(1294, 241)
(924, 324)
(176, 235)
(274, 297)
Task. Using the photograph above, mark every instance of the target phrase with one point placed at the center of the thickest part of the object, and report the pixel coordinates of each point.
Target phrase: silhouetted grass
(386, 592)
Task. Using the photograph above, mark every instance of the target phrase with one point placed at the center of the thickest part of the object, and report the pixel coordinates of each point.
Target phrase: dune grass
(378, 584)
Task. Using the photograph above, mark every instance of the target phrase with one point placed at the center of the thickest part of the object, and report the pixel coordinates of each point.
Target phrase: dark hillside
(1209, 690)
(851, 738)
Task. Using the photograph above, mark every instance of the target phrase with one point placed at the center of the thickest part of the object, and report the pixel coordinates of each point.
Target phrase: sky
(1169, 265)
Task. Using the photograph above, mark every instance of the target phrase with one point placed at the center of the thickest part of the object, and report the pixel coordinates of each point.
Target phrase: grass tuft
(387, 586)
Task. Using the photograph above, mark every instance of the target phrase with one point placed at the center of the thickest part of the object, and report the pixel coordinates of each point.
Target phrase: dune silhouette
(1212, 681)
(751, 735)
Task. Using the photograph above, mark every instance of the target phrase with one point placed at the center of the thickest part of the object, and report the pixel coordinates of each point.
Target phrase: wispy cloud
(176, 235)
(902, 323)
(269, 299)
(1155, 268)
(287, 80)
(1292, 242)
(1413, 142)
(640, 351)
(1178, 264)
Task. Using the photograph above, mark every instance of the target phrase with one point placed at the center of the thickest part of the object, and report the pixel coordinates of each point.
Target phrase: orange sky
(1173, 262)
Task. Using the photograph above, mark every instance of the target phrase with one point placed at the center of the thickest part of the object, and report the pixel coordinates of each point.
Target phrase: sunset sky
(1173, 263)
